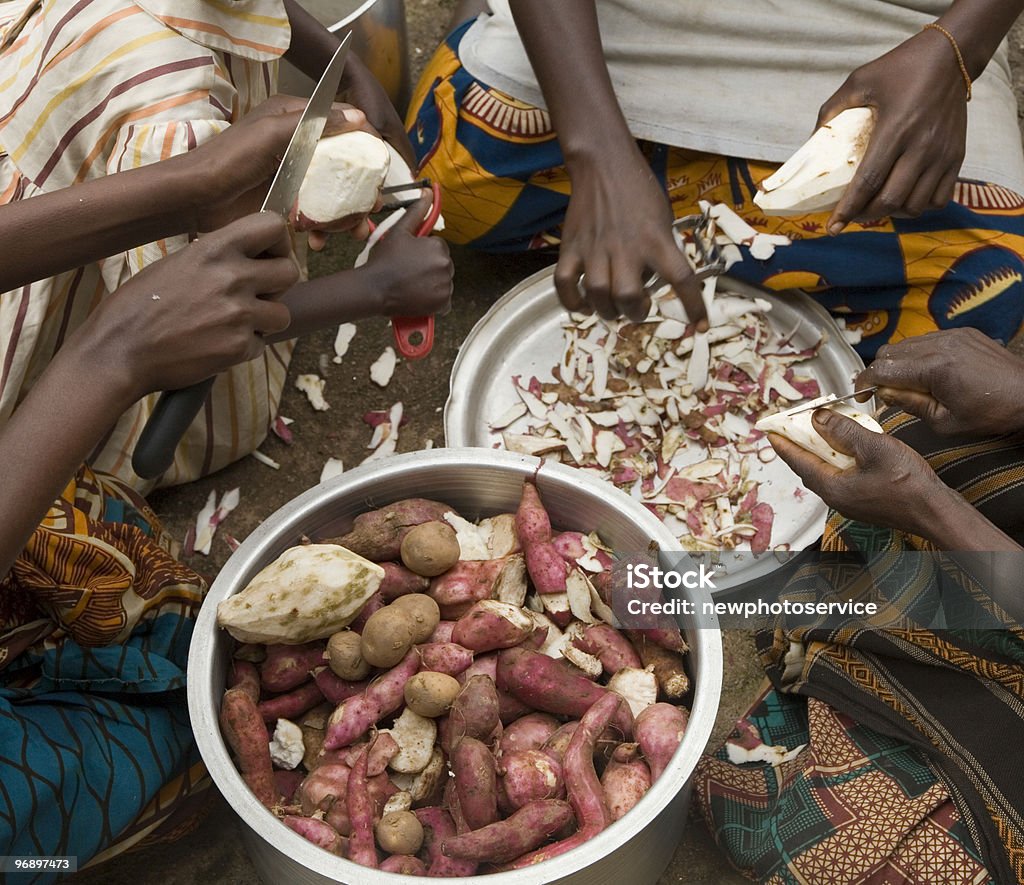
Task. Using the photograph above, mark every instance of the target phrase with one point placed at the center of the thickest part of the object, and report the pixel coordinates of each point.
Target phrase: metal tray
(522, 335)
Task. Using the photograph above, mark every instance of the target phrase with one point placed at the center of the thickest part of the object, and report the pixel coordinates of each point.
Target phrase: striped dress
(93, 87)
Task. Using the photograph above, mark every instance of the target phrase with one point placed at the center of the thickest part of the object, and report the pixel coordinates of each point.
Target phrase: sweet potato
(625, 784)
(288, 666)
(373, 605)
(659, 731)
(609, 646)
(334, 688)
(382, 696)
(530, 732)
(380, 789)
(463, 584)
(475, 712)
(585, 794)
(245, 677)
(614, 589)
(399, 581)
(558, 743)
(545, 565)
(442, 632)
(511, 708)
(383, 749)
(529, 775)
(490, 624)
(525, 830)
(669, 668)
(323, 787)
(287, 783)
(250, 652)
(438, 826)
(544, 684)
(246, 735)
(444, 657)
(378, 534)
(362, 848)
(403, 865)
(291, 705)
(475, 782)
(319, 832)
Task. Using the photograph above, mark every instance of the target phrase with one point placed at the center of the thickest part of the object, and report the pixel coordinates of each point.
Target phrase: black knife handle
(174, 412)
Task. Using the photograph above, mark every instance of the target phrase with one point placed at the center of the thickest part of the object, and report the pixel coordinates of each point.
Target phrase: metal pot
(378, 38)
(478, 482)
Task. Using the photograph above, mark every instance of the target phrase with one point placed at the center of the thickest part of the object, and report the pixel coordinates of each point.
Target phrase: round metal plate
(522, 335)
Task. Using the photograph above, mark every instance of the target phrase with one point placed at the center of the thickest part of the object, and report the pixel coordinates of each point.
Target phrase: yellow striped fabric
(93, 87)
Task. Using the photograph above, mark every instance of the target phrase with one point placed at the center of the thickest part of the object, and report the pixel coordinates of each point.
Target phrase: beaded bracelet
(959, 58)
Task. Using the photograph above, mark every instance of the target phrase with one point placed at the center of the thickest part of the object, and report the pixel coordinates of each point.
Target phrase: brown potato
(430, 549)
(423, 613)
(387, 637)
(399, 832)
(431, 694)
(345, 656)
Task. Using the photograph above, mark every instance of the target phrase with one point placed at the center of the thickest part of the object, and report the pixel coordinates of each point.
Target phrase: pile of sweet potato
(482, 711)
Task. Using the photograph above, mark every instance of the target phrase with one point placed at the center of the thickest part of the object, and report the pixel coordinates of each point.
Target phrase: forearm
(313, 46)
(564, 37)
(978, 27)
(50, 435)
(84, 223)
(342, 297)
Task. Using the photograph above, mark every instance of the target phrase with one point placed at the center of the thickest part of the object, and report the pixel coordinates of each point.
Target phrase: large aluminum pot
(378, 38)
(478, 482)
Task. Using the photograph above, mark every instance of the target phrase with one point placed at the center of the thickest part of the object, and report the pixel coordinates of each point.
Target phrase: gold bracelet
(959, 58)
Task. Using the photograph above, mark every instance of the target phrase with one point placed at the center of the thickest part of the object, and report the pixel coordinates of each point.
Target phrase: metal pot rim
(249, 557)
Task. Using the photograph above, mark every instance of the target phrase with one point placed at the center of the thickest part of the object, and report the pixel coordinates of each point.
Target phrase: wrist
(107, 360)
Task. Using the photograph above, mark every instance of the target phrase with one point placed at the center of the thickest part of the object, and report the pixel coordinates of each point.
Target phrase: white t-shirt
(745, 78)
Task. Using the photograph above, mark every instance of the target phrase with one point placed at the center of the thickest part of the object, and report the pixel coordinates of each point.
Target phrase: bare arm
(617, 226)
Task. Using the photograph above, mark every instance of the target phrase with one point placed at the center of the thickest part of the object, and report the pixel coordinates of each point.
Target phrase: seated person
(591, 124)
(89, 90)
(901, 767)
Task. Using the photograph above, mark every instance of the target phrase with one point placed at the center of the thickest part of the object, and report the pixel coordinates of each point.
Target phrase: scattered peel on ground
(313, 387)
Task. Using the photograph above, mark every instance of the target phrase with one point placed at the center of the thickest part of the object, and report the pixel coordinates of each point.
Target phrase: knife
(177, 409)
(823, 402)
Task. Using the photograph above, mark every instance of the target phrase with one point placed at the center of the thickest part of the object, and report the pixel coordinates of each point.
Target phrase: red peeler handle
(414, 336)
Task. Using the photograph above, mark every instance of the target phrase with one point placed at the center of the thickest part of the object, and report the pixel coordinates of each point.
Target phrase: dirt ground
(214, 853)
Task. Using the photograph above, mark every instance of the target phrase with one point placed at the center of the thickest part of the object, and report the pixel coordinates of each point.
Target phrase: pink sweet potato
(571, 548)
(442, 632)
(585, 794)
(466, 582)
(614, 589)
(288, 666)
(403, 865)
(669, 668)
(475, 782)
(334, 688)
(291, 705)
(374, 604)
(438, 826)
(444, 657)
(318, 832)
(529, 775)
(287, 783)
(490, 624)
(659, 731)
(525, 830)
(362, 848)
(384, 695)
(245, 677)
(529, 732)
(542, 683)
(246, 735)
(474, 713)
(558, 743)
(323, 787)
(544, 564)
(609, 646)
(381, 789)
(382, 751)
(399, 581)
(378, 534)
(625, 784)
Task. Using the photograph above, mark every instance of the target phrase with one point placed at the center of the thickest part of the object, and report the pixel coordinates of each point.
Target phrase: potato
(399, 832)
(431, 694)
(387, 637)
(423, 613)
(345, 656)
(430, 549)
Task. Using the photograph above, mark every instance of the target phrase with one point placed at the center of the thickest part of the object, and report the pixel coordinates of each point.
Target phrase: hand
(891, 485)
(412, 275)
(920, 135)
(362, 89)
(958, 381)
(235, 169)
(200, 310)
(617, 228)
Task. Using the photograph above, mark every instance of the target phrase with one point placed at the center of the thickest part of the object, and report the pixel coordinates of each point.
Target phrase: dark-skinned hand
(958, 381)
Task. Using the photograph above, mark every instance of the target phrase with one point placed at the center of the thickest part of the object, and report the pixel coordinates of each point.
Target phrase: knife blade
(175, 410)
(823, 402)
